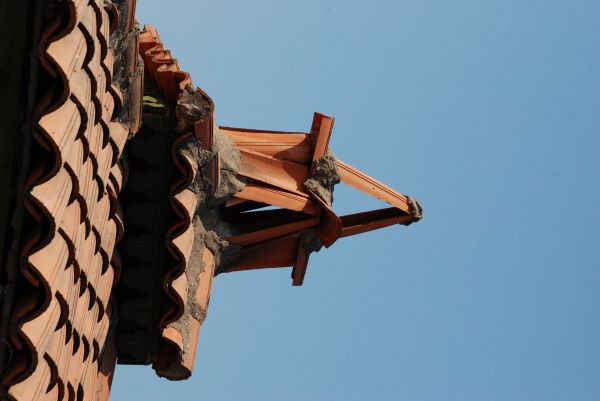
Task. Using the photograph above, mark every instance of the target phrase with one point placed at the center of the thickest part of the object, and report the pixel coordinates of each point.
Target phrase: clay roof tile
(68, 251)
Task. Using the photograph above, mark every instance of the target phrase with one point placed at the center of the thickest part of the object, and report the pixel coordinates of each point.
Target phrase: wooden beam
(273, 232)
(282, 174)
(359, 223)
(277, 197)
(320, 134)
(370, 186)
(281, 252)
(291, 146)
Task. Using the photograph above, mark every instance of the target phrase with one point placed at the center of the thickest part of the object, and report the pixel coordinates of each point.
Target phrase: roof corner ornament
(296, 172)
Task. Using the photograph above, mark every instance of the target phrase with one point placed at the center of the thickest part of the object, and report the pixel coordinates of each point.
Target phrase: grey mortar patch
(191, 106)
(192, 149)
(214, 226)
(323, 177)
(124, 45)
(210, 229)
(310, 241)
(192, 272)
(322, 180)
(230, 182)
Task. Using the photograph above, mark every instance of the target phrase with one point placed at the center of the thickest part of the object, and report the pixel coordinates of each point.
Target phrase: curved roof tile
(67, 266)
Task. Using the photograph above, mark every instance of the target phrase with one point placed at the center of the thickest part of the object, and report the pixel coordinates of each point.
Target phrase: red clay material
(277, 166)
(61, 329)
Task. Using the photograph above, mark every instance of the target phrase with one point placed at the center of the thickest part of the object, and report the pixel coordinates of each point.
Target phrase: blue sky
(488, 112)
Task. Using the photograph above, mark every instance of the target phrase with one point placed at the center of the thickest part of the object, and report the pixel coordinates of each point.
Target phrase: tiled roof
(67, 265)
(161, 65)
(62, 342)
(178, 331)
(292, 171)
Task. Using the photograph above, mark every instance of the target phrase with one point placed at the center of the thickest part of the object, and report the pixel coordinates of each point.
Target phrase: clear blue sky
(488, 112)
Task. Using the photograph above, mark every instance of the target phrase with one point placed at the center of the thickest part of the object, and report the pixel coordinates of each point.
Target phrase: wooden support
(203, 130)
(291, 146)
(281, 252)
(330, 228)
(364, 183)
(235, 201)
(283, 174)
(238, 205)
(367, 221)
(276, 165)
(275, 231)
(300, 266)
(277, 197)
(320, 134)
(261, 219)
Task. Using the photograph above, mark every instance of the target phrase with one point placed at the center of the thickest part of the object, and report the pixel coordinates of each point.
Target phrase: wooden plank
(330, 228)
(320, 133)
(359, 223)
(291, 146)
(364, 183)
(281, 252)
(273, 232)
(277, 197)
(300, 266)
(282, 174)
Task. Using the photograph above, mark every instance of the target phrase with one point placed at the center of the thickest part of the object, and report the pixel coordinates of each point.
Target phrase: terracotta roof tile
(62, 126)
(180, 237)
(177, 349)
(53, 194)
(118, 137)
(68, 54)
(292, 146)
(68, 254)
(161, 65)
